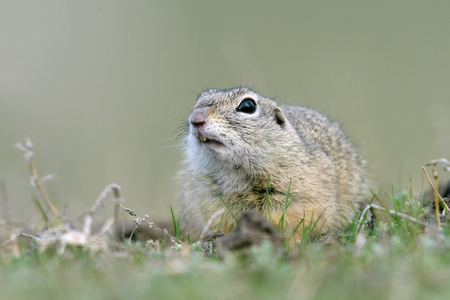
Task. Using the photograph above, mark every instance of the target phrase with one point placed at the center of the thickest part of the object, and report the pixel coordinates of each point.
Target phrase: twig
(31, 236)
(112, 188)
(26, 148)
(116, 210)
(208, 224)
(436, 201)
(138, 221)
(361, 219)
(445, 163)
(5, 204)
(434, 188)
(363, 214)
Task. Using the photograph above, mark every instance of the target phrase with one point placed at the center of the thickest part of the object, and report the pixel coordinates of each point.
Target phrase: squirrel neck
(229, 178)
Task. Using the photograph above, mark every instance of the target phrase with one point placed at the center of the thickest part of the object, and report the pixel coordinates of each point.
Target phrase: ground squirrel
(241, 146)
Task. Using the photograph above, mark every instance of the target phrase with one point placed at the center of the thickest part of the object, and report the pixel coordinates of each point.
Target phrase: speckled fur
(283, 142)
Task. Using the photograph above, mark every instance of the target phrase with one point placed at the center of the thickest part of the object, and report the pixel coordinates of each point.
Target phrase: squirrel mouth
(210, 142)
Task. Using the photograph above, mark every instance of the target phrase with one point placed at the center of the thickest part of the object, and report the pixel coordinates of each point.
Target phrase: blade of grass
(226, 205)
(42, 213)
(296, 228)
(176, 225)
(132, 233)
(220, 223)
(281, 223)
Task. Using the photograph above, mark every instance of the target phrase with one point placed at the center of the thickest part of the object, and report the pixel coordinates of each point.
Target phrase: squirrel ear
(280, 117)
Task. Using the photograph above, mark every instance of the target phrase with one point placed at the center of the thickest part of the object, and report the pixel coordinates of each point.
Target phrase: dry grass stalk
(59, 237)
(28, 154)
(435, 189)
(445, 163)
(208, 224)
(110, 189)
(138, 221)
(393, 212)
(77, 233)
(5, 204)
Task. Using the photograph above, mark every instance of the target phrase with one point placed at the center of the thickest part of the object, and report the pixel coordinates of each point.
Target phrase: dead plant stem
(40, 188)
(435, 189)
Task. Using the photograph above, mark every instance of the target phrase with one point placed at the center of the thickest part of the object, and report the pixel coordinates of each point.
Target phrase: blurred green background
(102, 86)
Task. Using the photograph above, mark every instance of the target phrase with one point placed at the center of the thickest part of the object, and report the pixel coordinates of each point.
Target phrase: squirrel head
(239, 127)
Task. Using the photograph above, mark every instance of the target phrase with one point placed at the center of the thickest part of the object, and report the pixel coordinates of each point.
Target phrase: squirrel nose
(199, 117)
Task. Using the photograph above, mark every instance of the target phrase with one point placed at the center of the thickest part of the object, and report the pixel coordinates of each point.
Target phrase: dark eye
(247, 106)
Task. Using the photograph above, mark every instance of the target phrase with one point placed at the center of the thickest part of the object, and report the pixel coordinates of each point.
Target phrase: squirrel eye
(247, 106)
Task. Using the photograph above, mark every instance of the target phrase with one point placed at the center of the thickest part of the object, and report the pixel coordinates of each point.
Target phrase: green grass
(394, 269)
(282, 224)
(176, 225)
(227, 207)
(398, 259)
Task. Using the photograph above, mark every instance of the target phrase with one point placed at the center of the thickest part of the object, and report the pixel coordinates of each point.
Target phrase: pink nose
(199, 117)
